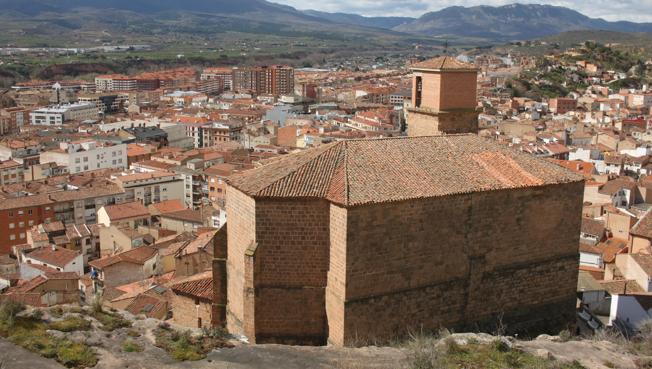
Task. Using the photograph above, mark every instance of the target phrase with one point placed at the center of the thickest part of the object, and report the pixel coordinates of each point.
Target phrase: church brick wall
(462, 261)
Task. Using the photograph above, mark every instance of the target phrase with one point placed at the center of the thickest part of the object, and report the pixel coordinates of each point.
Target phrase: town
(308, 205)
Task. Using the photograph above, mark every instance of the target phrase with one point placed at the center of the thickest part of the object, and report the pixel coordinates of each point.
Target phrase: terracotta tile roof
(444, 63)
(57, 256)
(136, 256)
(612, 247)
(593, 227)
(616, 185)
(645, 262)
(590, 249)
(620, 287)
(382, 170)
(199, 286)
(25, 201)
(42, 268)
(643, 228)
(597, 273)
(167, 206)
(148, 305)
(186, 215)
(126, 211)
(201, 242)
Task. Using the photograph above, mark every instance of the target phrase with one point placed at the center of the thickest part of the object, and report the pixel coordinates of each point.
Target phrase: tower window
(419, 87)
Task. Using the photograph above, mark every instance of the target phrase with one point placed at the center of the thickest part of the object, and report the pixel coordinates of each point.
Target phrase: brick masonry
(448, 103)
(306, 271)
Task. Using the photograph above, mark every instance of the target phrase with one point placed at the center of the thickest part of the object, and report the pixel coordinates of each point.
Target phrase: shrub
(565, 335)
(71, 324)
(74, 355)
(180, 346)
(9, 310)
(422, 352)
(111, 321)
(132, 333)
(37, 314)
(32, 335)
(131, 346)
(214, 332)
(56, 312)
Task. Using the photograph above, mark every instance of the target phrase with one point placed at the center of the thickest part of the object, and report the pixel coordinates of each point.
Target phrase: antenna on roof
(446, 47)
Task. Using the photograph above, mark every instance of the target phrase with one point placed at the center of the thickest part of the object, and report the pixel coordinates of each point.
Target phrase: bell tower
(444, 98)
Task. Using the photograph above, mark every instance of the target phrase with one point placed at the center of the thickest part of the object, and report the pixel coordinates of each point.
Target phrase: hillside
(359, 20)
(511, 22)
(82, 23)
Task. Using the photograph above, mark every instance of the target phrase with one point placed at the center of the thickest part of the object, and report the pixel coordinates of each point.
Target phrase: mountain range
(492, 24)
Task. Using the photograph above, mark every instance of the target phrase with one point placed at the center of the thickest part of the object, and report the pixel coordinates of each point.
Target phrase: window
(85, 159)
(77, 161)
(11, 213)
(419, 90)
(31, 223)
(12, 237)
(22, 236)
(20, 212)
(29, 212)
(12, 226)
(21, 224)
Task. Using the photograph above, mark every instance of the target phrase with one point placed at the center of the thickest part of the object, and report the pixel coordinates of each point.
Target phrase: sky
(612, 10)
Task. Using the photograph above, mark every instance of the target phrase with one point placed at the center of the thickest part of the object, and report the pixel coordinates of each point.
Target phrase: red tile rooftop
(56, 256)
(358, 172)
(444, 63)
(126, 211)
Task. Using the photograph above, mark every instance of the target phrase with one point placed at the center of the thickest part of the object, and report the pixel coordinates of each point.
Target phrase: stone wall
(242, 228)
(461, 261)
(186, 311)
(421, 122)
(290, 268)
(277, 269)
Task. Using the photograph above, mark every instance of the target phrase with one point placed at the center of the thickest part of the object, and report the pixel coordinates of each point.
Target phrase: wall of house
(191, 264)
(628, 309)
(640, 245)
(177, 225)
(185, 311)
(620, 224)
(631, 270)
(123, 273)
(461, 262)
(590, 259)
(113, 241)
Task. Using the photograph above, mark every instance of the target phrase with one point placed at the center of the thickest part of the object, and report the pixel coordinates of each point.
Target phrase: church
(368, 240)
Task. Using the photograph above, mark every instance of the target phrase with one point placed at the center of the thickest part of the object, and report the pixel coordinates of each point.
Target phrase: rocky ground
(110, 349)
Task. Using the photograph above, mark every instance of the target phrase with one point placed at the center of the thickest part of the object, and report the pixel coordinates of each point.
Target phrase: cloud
(612, 10)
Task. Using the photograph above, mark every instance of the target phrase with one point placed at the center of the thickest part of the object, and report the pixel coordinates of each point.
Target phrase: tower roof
(360, 172)
(444, 63)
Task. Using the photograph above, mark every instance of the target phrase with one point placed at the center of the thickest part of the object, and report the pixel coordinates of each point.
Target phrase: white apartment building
(87, 155)
(59, 114)
(151, 187)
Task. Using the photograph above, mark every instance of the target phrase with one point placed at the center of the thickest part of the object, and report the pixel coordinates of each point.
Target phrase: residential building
(126, 267)
(88, 155)
(60, 114)
(131, 214)
(51, 258)
(151, 187)
(191, 301)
